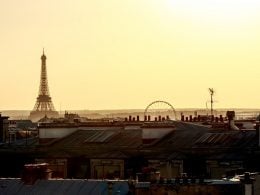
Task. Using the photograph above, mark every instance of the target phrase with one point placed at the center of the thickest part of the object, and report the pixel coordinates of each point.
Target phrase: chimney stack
(221, 118)
(231, 120)
(33, 172)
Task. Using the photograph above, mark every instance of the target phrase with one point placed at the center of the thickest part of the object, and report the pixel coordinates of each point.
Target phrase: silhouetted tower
(211, 91)
(43, 106)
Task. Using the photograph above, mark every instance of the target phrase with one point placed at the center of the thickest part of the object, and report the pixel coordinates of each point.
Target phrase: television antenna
(211, 92)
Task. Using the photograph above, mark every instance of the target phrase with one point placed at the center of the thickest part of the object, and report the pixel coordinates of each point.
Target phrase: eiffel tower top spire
(43, 54)
(44, 89)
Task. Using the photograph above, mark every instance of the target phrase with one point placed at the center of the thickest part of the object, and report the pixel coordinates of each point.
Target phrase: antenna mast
(211, 92)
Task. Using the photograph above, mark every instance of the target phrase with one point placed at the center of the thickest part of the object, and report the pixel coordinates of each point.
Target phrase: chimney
(137, 118)
(212, 118)
(231, 120)
(32, 172)
(221, 118)
(248, 183)
(145, 118)
(130, 118)
(149, 117)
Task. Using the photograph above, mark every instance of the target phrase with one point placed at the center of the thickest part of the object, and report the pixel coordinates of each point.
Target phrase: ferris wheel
(160, 110)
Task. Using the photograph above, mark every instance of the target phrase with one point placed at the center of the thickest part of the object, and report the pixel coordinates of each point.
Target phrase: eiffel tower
(43, 106)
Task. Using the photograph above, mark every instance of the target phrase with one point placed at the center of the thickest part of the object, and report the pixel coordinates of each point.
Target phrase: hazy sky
(111, 54)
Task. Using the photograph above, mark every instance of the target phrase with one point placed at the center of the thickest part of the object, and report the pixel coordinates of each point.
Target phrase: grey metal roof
(232, 139)
(100, 136)
(186, 138)
(86, 138)
(61, 187)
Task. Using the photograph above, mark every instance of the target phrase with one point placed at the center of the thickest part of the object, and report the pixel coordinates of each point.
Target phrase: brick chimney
(32, 172)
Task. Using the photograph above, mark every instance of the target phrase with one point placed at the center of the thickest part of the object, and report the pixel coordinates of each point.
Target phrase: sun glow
(223, 10)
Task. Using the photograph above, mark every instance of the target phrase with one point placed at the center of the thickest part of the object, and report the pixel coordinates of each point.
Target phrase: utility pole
(211, 91)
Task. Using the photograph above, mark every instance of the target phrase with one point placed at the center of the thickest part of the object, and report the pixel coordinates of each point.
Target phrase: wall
(107, 169)
(167, 169)
(4, 125)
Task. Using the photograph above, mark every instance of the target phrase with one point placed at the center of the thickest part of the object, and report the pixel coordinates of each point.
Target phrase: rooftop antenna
(211, 92)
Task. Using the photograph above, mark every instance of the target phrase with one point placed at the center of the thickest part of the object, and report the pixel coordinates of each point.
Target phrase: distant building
(3, 128)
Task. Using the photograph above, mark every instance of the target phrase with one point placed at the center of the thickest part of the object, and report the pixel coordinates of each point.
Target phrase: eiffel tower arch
(43, 106)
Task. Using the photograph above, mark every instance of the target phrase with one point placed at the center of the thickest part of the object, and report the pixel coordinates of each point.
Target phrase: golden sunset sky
(121, 54)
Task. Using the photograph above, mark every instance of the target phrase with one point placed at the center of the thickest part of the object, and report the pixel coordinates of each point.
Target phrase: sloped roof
(96, 143)
(116, 138)
(183, 136)
(99, 137)
(187, 138)
(232, 139)
(61, 186)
